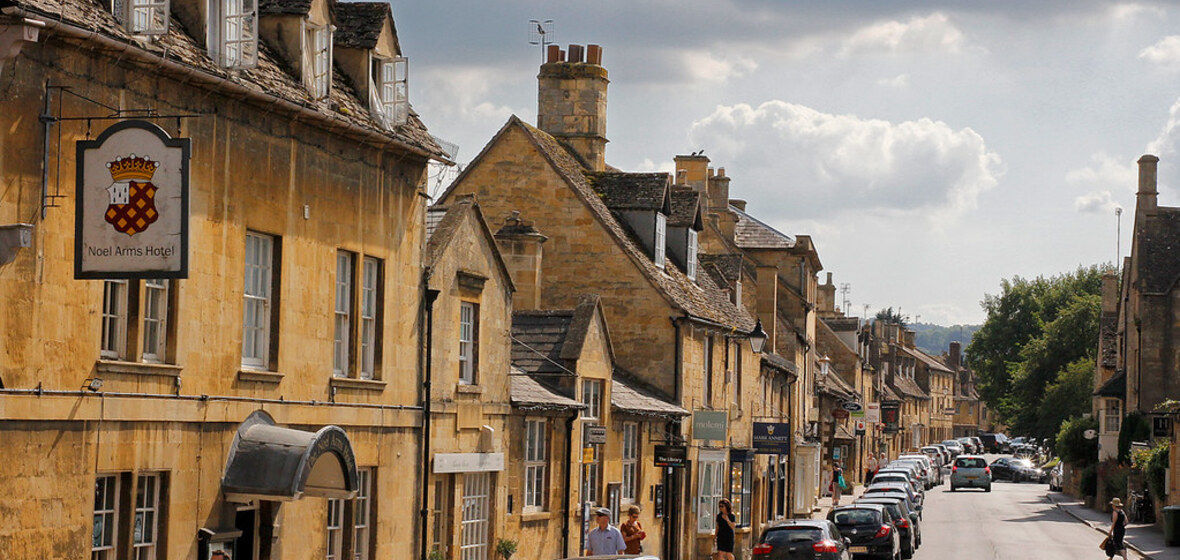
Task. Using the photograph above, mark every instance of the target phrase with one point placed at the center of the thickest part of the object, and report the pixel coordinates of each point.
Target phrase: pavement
(1146, 540)
(821, 509)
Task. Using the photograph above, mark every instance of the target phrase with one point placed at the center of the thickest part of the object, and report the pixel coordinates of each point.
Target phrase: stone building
(609, 234)
(937, 381)
(840, 342)
(138, 413)
(970, 417)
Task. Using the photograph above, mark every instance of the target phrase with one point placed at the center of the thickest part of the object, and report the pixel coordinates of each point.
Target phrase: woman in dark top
(725, 526)
(1118, 530)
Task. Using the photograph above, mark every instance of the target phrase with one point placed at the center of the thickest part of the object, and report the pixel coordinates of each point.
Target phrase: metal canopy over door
(477, 489)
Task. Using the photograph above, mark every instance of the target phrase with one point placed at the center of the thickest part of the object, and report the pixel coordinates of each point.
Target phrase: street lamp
(758, 338)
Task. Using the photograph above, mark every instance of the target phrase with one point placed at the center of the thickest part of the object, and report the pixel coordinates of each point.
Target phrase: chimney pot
(576, 53)
(553, 54)
(738, 203)
(711, 171)
(594, 54)
(1146, 197)
(829, 278)
(721, 172)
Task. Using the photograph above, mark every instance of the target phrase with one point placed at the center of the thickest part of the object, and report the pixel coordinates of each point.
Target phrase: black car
(908, 523)
(802, 539)
(1014, 469)
(870, 528)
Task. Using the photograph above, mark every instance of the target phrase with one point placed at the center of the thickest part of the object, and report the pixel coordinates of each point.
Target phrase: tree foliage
(1035, 353)
(890, 316)
(1072, 445)
(1136, 427)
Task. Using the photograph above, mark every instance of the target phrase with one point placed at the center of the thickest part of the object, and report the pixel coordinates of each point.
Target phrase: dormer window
(690, 266)
(390, 85)
(237, 33)
(143, 17)
(318, 59)
(661, 239)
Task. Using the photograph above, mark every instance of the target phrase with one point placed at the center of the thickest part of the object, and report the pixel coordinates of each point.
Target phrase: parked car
(1009, 468)
(935, 455)
(915, 497)
(883, 477)
(970, 471)
(978, 444)
(869, 528)
(994, 443)
(897, 495)
(946, 454)
(955, 446)
(799, 539)
(908, 522)
(911, 469)
(969, 446)
(932, 473)
(1056, 477)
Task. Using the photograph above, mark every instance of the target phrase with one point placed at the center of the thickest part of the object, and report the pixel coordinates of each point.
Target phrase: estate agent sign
(773, 438)
(132, 214)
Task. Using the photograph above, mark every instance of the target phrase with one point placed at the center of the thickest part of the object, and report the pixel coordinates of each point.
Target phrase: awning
(269, 462)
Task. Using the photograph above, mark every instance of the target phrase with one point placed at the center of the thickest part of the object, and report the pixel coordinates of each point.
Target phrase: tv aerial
(541, 33)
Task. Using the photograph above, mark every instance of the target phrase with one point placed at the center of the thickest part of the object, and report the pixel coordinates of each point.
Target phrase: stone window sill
(469, 389)
(137, 368)
(260, 376)
(360, 384)
(536, 516)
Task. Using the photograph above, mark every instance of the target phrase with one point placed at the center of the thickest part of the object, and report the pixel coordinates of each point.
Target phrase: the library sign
(132, 208)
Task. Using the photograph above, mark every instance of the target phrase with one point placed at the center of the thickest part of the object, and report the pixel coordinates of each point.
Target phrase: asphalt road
(1013, 521)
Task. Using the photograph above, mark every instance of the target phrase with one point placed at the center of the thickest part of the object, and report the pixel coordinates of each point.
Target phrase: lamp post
(758, 338)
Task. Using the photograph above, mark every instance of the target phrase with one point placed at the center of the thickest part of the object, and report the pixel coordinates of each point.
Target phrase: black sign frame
(772, 438)
(672, 456)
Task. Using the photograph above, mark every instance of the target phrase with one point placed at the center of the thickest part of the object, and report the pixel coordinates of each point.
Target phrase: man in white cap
(605, 538)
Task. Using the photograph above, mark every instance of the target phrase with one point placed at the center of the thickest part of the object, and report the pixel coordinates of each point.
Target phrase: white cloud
(1105, 172)
(1095, 203)
(899, 81)
(1132, 10)
(1166, 52)
(817, 165)
(933, 33)
(1165, 143)
(462, 93)
(706, 66)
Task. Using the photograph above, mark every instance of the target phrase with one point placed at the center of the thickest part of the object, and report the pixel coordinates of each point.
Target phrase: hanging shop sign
(132, 208)
(772, 438)
(595, 435)
(840, 414)
(675, 456)
(873, 413)
(860, 427)
(1161, 426)
(708, 424)
(851, 406)
(890, 416)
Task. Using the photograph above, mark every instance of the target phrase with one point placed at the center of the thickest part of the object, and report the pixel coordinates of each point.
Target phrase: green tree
(890, 316)
(1067, 397)
(1072, 445)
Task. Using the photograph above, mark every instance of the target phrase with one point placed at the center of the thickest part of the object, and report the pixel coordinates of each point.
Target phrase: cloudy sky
(930, 149)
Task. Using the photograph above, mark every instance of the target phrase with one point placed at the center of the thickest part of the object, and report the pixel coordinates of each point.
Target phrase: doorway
(474, 526)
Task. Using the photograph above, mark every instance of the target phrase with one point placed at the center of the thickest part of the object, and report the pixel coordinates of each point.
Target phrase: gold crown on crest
(132, 167)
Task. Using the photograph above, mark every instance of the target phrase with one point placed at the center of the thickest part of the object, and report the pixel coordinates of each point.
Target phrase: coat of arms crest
(132, 205)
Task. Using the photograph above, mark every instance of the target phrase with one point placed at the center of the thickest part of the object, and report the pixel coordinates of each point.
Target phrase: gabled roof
(629, 396)
(702, 299)
(686, 209)
(780, 364)
(623, 192)
(1115, 387)
(1159, 245)
(730, 266)
(270, 84)
(835, 385)
(926, 359)
(751, 233)
(441, 231)
(359, 24)
(529, 394)
(888, 394)
(551, 341)
(908, 387)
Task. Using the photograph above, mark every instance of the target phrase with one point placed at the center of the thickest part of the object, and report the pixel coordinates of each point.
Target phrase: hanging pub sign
(772, 438)
(1161, 426)
(890, 416)
(132, 204)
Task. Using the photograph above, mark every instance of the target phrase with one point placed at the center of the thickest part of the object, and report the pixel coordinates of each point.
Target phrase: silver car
(970, 471)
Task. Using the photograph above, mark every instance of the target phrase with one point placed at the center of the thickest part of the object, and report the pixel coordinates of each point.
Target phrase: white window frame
(1112, 412)
(362, 514)
(661, 240)
(690, 267)
(389, 90)
(630, 487)
(155, 319)
(474, 527)
(468, 341)
(592, 398)
(236, 33)
(712, 486)
(146, 521)
(342, 313)
(113, 344)
(144, 17)
(401, 91)
(256, 307)
(105, 543)
(318, 59)
(536, 464)
(370, 278)
(334, 530)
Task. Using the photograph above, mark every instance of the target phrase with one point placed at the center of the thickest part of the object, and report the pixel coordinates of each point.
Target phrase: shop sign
(890, 416)
(772, 438)
(840, 414)
(851, 406)
(710, 425)
(595, 435)
(860, 427)
(1161, 426)
(132, 204)
(675, 456)
(873, 413)
(468, 462)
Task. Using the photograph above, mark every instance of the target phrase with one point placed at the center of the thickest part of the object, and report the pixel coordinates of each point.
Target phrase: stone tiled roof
(1115, 387)
(434, 216)
(730, 266)
(1159, 245)
(926, 359)
(686, 208)
(284, 7)
(701, 299)
(622, 191)
(442, 223)
(530, 394)
(1108, 331)
(779, 363)
(538, 338)
(359, 24)
(835, 385)
(269, 81)
(750, 233)
(888, 394)
(629, 396)
(908, 387)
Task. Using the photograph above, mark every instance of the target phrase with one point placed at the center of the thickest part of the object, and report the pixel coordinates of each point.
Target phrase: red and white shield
(133, 206)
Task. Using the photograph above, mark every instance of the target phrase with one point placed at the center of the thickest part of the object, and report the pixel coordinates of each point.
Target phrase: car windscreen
(970, 463)
(784, 535)
(856, 517)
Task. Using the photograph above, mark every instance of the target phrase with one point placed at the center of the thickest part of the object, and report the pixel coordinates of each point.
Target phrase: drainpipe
(424, 513)
(565, 518)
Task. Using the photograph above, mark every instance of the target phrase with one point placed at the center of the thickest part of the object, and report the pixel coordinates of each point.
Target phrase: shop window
(106, 509)
(741, 483)
(115, 502)
(711, 489)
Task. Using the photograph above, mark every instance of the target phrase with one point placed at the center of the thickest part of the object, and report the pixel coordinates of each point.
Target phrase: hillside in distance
(935, 339)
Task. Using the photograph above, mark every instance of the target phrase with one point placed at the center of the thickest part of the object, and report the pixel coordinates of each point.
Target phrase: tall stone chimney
(571, 101)
(954, 355)
(520, 247)
(1145, 199)
(826, 298)
(693, 171)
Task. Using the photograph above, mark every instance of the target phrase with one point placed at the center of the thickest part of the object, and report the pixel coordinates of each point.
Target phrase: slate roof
(730, 266)
(629, 396)
(550, 341)
(529, 394)
(284, 7)
(686, 208)
(269, 81)
(1159, 247)
(835, 385)
(702, 299)
(1115, 387)
(750, 233)
(779, 363)
(908, 387)
(359, 24)
(926, 359)
(623, 191)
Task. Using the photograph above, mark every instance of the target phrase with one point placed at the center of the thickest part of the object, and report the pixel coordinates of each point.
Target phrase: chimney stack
(1145, 199)
(954, 356)
(520, 247)
(571, 101)
(826, 297)
(738, 203)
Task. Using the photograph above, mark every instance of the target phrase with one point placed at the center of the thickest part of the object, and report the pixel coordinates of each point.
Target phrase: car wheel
(953, 488)
(988, 488)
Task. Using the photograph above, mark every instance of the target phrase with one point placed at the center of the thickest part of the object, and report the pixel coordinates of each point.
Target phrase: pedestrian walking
(605, 538)
(633, 533)
(838, 483)
(726, 522)
(870, 468)
(1118, 530)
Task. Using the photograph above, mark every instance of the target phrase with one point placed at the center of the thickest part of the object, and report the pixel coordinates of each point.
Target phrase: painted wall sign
(709, 425)
(132, 204)
(772, 438)
(675, 456)
(468, 462)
